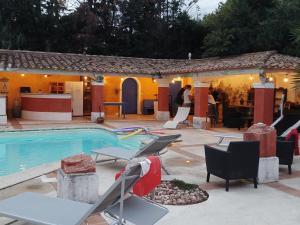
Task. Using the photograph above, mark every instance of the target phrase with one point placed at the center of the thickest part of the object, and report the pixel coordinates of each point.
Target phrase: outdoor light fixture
(154, 80)
(286, 79)
(173, 81)
(156, 76)
(271, 79)
(85, 77)
(45, 75)
(22, 75)
(122, 78)
(251, 77)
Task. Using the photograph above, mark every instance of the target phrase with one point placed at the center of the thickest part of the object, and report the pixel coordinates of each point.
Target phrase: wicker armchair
(285, 153)
(240, 161)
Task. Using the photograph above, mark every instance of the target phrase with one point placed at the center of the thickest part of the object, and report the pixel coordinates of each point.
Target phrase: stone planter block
(266, 135)
(77, 187)
(268, 170)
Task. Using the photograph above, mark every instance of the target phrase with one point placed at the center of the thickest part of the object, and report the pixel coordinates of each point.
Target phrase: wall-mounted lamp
(286, 79)
(22, 75)
(45, 75)
(270, 78)
(251, 77)
(122, 78)
(156, 76)
(85, 77)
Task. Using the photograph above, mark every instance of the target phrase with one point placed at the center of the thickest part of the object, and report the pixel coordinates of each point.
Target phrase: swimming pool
(21, 150)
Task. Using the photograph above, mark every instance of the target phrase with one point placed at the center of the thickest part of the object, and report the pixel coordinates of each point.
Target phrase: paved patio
(271, 204)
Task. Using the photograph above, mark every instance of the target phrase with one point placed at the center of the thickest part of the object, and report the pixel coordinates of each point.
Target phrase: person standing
(187, 96)
(179, 97)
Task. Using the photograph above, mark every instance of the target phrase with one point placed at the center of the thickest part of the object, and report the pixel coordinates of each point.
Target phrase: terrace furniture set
(241, 159)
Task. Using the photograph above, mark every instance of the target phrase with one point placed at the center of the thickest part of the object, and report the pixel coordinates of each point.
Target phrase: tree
(28, 24)
(235, 27)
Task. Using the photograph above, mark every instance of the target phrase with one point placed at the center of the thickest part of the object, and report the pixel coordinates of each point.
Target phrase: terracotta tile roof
(76, 63)
(243, 61)
(279, 61)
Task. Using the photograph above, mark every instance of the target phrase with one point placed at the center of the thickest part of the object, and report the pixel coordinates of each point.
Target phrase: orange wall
(112, 91)
(38, 83)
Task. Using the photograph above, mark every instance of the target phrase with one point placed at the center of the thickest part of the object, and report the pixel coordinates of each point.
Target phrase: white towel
(145, 164)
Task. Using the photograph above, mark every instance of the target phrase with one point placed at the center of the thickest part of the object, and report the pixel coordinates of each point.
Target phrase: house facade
(57, 86)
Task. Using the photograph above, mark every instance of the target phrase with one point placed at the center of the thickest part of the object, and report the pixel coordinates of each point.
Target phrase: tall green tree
(234, 28)
(240, 26)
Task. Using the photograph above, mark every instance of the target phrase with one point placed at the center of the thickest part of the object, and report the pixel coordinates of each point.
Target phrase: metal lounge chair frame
(155, 147)
(16, 208)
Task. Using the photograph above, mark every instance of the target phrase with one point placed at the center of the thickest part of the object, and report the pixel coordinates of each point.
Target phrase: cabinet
(75, 88)
(57, 87)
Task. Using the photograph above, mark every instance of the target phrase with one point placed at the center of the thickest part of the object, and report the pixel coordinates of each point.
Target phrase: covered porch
(64, 86)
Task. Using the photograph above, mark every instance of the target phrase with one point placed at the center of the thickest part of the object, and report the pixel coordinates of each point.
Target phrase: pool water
(22, 150)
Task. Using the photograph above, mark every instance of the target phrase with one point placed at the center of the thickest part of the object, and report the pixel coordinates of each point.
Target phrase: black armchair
(240, 161)
(285, 153)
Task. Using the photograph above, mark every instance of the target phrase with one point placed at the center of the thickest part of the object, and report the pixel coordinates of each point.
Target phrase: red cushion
(149, 181)
(295, 135)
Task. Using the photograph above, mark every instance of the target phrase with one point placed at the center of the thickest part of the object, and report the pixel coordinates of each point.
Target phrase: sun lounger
(181, 116)
(155, 147)
(39, 209)
(223, 136)
(295, 126)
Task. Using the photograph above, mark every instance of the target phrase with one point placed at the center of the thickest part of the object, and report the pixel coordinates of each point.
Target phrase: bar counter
(36, 106)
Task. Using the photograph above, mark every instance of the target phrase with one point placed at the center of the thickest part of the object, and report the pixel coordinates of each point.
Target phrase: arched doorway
(130, 95)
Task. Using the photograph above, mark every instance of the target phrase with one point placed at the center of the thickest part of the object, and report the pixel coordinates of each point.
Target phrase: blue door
(129, 95)
(174, 89)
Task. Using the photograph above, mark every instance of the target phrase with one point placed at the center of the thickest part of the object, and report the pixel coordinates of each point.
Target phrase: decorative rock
(78, 164)
(169, 194)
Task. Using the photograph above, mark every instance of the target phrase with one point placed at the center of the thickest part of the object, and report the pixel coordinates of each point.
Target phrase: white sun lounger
(295, 126)
(181, 116)
(223, 136)
(39, 209)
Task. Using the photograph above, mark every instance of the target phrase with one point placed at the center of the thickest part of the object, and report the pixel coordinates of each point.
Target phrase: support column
(163, 112)
(200, 104)
(97, 100)
(264, 103)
